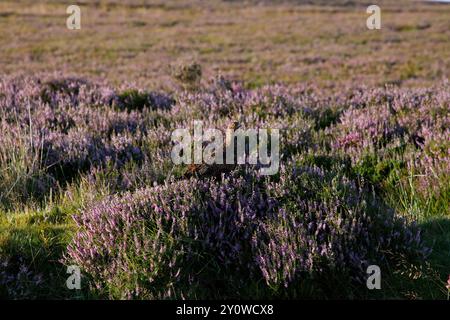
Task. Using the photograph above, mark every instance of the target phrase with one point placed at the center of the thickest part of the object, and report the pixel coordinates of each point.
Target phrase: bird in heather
(216, 170)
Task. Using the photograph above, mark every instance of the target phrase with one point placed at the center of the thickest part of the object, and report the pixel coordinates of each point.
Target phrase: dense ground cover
(358, 171)
(86, 176)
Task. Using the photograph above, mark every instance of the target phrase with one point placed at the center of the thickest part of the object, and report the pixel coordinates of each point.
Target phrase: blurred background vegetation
(325, 42)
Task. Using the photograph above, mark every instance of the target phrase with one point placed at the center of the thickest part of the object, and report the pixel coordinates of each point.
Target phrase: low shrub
(196, 238)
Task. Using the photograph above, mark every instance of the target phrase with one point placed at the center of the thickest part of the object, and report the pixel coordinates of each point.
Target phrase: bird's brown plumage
(204, 170)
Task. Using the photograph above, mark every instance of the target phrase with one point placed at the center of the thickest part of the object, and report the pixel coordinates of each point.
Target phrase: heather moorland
(87, 176)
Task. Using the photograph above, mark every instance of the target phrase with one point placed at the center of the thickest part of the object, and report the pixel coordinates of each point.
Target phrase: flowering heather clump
(183, 234)
(223, 99)
(330, 224)
(153, 234)
(410, 127)
(53, 130)
(383, 119)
